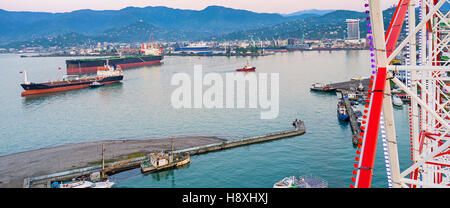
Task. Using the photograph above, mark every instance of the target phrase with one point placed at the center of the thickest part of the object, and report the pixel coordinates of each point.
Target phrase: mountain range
(133, 24)
(190, 24)
(309, 11)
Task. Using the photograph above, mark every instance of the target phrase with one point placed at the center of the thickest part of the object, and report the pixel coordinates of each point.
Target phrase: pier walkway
(46, 180)
(346, 88)
(356, 129)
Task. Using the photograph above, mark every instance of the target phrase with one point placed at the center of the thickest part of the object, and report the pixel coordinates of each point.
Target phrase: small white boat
(76, 184)
(84, 184)
(397, 101)
(301, 182)
(87, 184)
(96, 84)
(105, 184)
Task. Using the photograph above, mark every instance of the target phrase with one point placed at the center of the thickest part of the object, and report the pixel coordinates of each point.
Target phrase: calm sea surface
(140, 108)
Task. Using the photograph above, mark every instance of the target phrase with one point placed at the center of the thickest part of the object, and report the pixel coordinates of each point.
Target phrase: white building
(353, 32)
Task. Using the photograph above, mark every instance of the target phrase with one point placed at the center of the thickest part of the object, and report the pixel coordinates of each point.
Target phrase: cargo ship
(149, 54)
(105, 75)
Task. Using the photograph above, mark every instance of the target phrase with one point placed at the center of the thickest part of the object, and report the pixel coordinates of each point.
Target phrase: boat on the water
(247, 68)
(301, 182)
(342, 111)
(86, 184)
(322, 87)
(162, 161)
(397, 101)
(149, 54)
(105, 75)
(96, 84)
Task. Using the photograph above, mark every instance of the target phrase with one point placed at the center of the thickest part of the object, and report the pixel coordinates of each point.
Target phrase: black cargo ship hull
(83, 66)
(49, 87)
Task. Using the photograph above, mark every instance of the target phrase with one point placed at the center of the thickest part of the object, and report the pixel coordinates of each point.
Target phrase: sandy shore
(16, 167)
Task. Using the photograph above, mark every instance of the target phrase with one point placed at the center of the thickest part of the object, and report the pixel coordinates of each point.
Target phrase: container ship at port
(105, 75)
(149, 54)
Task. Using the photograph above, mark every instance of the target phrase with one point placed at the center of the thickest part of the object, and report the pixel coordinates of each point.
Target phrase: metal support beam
(414, 32)
(414, 81)
(380, 102)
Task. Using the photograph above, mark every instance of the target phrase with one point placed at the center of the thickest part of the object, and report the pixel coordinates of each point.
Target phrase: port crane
(426, 45)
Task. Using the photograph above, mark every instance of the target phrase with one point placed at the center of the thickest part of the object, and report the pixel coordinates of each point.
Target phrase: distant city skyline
(261, 6)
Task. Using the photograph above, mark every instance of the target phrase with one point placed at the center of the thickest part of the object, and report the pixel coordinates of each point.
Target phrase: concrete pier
(351, 85)
(45, 180)
(346, 88)
(356, 129)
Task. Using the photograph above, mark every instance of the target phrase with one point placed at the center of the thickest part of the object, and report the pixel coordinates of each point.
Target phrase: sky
(266, 6)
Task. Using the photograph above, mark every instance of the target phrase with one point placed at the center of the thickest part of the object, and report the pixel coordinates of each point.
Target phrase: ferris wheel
(423, 49)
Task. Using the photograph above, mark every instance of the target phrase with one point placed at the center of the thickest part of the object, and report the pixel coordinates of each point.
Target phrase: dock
(356, 129)
(351, 87)
(116, 167)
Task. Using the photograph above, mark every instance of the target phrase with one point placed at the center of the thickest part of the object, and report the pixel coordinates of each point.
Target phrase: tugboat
(247, 68)
(301, 182)
(322, 87)
(342, 111)
(105, 75)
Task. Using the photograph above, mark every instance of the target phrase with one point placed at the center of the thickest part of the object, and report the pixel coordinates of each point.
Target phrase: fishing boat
(105, 75)
(162, 161)
(322, 87)
(342, 111)
(301, 182)
(397, 101)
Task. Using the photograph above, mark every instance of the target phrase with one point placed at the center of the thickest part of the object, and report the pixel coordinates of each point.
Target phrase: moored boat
(162, 161)
(342, 112)
(86, 184)
(397, 101)
(322, 87)
(301, 182)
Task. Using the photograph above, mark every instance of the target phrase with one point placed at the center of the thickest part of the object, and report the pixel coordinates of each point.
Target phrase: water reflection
(167, 174)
